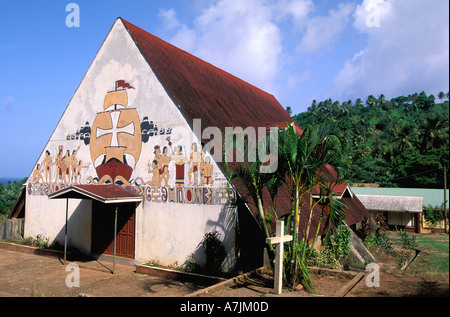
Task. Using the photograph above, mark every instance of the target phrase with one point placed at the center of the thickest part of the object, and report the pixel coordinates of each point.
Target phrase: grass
(437, 243)
(434, 253)
(433, 259)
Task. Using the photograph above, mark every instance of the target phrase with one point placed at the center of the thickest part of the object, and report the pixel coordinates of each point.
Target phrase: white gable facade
(122, 127)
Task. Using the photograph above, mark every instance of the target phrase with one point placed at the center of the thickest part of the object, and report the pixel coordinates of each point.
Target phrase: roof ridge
(127, 24)
(203, 91)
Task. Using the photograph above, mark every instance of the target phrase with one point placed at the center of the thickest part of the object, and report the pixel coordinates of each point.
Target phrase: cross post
(279, 239)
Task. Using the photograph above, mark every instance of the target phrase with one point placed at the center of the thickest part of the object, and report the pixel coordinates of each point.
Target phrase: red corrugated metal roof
(338, 189)
(203, 91)
(355, 212)
(106, 193)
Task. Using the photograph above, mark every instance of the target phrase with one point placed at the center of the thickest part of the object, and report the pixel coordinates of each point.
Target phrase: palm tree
(405, 137)
(289, 110)
(302, 160)
(434, 131)
(359, 104)
(255, 179)
(381, 99)
(371, 101)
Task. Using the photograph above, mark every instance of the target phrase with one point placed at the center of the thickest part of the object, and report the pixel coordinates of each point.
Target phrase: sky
(297, 50)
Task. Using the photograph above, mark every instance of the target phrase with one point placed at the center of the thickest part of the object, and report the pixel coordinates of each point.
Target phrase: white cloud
(324, 31)
(242, 37)
(183, 36)
(169, 17)
(7, 102)
(296, 10)
(273, 44)
(407, 52)
(292, 81)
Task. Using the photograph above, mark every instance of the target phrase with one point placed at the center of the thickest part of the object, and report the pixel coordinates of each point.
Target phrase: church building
(135, 159)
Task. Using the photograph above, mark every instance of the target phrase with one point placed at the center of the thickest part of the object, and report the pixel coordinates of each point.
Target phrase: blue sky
(298, 50)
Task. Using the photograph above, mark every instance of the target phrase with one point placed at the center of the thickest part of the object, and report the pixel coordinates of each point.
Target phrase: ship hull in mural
(114, 171)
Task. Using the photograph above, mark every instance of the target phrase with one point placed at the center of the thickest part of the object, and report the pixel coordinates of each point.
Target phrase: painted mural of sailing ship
(115, 143)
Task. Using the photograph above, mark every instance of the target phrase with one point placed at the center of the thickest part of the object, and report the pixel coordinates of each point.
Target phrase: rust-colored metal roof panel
(107, 193)
(206, 92)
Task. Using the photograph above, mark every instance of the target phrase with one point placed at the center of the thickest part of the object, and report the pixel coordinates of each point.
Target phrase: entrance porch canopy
(107, 194)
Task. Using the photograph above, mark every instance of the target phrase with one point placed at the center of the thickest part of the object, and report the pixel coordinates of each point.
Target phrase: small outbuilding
(402, 208)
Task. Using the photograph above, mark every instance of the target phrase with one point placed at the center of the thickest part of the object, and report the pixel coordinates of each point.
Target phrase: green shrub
(37, 241)
(325, 258)
(336, 249)
(402, 256)
(408, 240)
(383, 241)
(215, 253)
(371, 242)
(339, 244)
(190, 265)
(433, 215)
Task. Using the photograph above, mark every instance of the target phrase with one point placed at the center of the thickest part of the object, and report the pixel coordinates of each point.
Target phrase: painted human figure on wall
(79, 167)
(195, 161)
(207, 171)
(37, 174)
(165, 160)
(153, 169)
(67, 167)
(180, 159)
(73, 165)
(202, 162)
(58, 163)
(48, 162)
(157, 153)
(156, 167)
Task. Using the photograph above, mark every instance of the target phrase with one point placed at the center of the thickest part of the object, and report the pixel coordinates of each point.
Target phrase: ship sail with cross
(116, 141)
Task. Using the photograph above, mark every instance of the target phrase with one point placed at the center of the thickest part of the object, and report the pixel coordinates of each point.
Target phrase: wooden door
(103, 229)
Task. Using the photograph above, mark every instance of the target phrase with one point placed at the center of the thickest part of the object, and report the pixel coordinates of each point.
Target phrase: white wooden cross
(279, 239)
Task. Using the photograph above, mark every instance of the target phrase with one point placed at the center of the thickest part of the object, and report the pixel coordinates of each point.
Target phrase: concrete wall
(48, 217)
(169, 234)
(11, 229)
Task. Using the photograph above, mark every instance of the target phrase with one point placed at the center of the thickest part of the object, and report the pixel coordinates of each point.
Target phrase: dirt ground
(25, 275)
(402, 285)
(261, 285)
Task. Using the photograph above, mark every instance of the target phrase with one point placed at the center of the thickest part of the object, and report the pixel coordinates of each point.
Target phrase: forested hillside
(402, 142)
(8, 196)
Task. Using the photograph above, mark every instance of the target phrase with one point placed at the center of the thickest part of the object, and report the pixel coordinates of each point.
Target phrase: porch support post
(115, 233)
(65, 232)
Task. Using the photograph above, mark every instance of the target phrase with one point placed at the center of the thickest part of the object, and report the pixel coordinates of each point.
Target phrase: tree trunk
(294, 258)
(264, 225)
